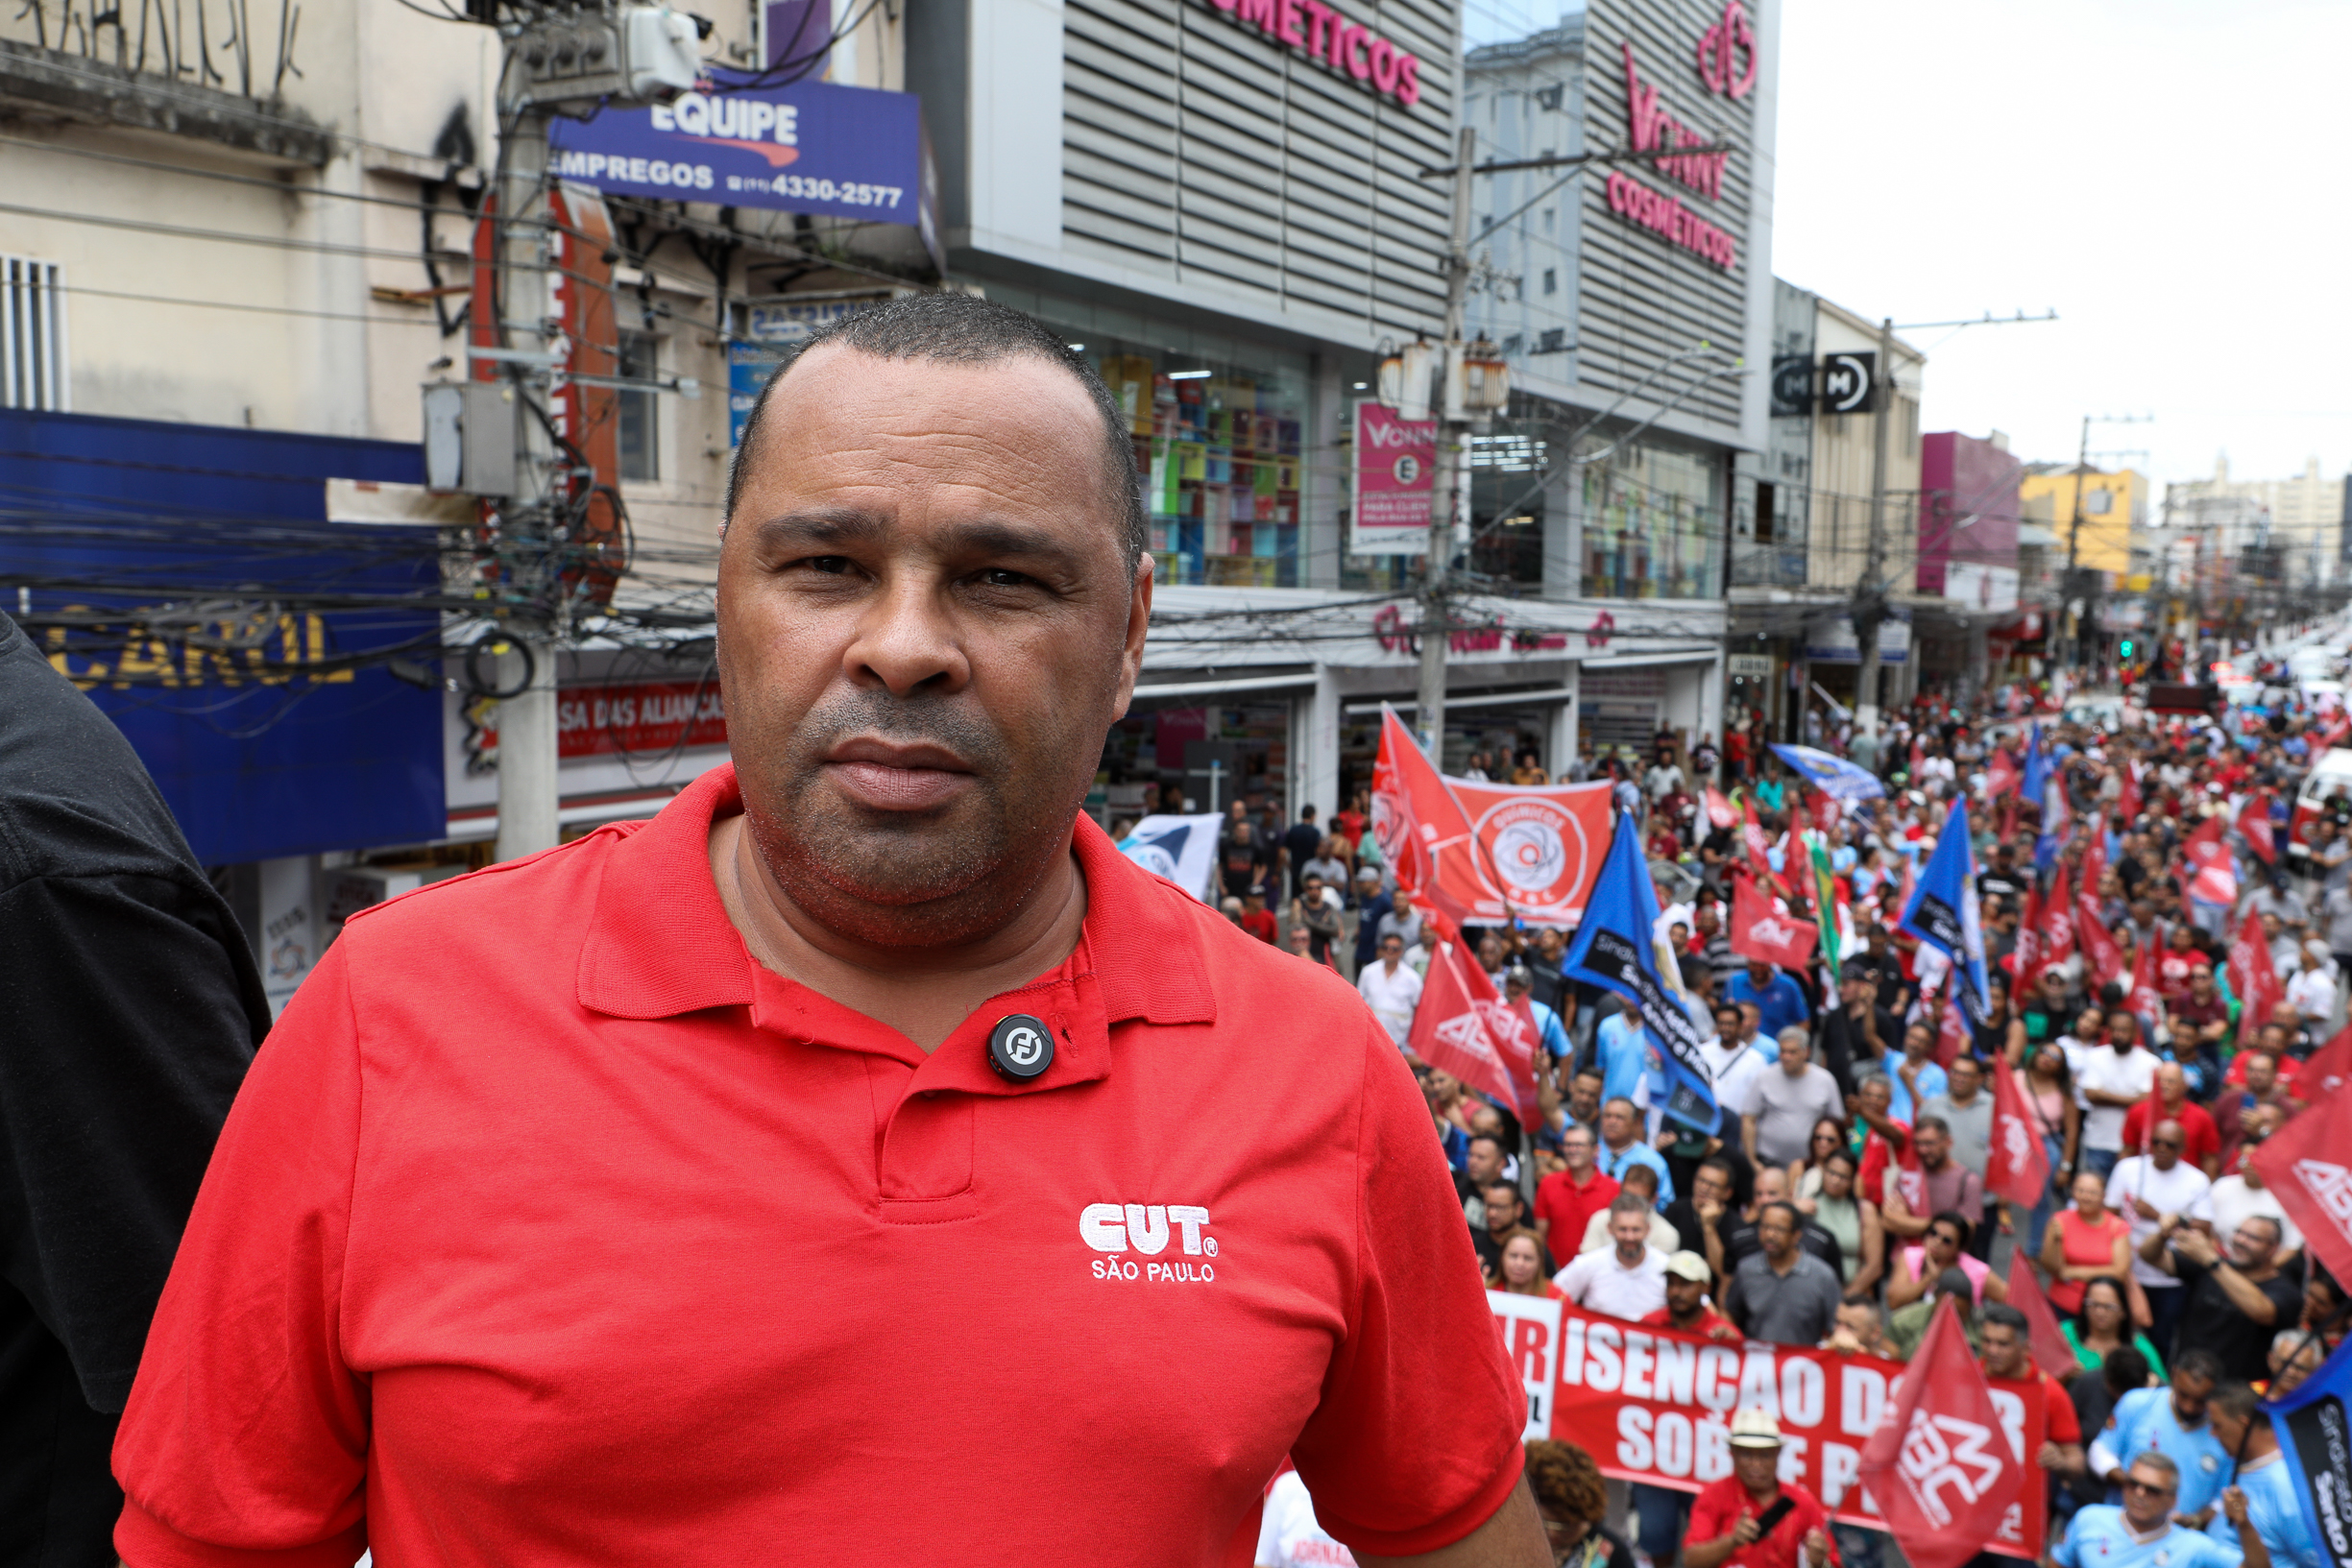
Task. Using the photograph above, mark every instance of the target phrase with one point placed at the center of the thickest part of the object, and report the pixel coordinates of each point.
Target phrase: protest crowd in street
(2056, 1144)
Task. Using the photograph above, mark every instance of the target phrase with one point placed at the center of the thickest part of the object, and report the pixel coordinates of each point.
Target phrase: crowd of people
(2184, 1289)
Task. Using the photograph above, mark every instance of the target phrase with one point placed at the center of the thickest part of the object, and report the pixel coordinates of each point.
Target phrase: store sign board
(1323, 34)
(1833, 642)
(1396, 461)
(1751, 665)
(1980, 588)
(813, 147)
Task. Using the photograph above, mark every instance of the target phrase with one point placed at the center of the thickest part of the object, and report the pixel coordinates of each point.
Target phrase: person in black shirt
(1243, 862)
(1856, 1037)
(1505, 1214)
(132, 1007)
(2002, 879)
(2236, 1300)
(1299, 844)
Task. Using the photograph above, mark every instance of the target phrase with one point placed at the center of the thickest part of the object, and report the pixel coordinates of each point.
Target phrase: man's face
(1750, 1019)
(1617, 1127)
(1484, 1162)
(1917, 1041)
(2200, 982)
(1966, 1077)
(1771, 1184)
(1794, 1059)
(2188, 1395)
(1502, 1206)
(2004, 1354)
(1585, 1095)
(1392, 950)
(2164, 1145)
(2172, 1083)
(1875, 1097)
(1631, 1232)
(2148, 1494)
(1774, 1230)
(1685, 1296)
(1760, 975)
(1934, 1147)
(1726, 1024)
(925, 624)
(1758, 1468)
(1576, 1149)
(2252, 1243)
(2122, 1033)
(1708, 1186)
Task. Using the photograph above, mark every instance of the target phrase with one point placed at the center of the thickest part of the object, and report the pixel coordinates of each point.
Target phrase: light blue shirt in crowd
(2098, 1538)
(1612, 1163)
(1618, 1042)
(2276, 1513)
(2143, 1420)
(1933, 1081)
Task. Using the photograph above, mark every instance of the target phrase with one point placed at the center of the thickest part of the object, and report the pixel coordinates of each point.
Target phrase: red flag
(2303, 1163)
(2007, 829)
(1826, 811)
(1760, 929)
(2252, 979)
(2093, 861)
(2057, 921)
(1719, 810)
(1462, 1027)
(1952, 1032)
(2027, 959)
(2213, 879)
(2051, 1351)
(2001, 774)
(2254, 822)
(1760, 848)
(2128, 802)
(2101, 951)
(2142, 966)
(2326, 1069)
(1939, 1466)
(2016, 1167)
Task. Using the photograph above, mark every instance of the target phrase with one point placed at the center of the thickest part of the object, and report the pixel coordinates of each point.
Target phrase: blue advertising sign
(264, 747)
(749, 364)
(810, 147)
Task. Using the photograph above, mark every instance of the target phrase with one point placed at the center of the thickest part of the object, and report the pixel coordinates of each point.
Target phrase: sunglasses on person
(2164, 1142)
(2133, 1484)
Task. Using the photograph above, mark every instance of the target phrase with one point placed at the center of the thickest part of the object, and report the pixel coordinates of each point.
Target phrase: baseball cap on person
(1688, 1264)
(1755, 1429)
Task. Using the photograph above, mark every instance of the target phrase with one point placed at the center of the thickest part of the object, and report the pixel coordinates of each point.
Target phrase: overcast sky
(2169, 175)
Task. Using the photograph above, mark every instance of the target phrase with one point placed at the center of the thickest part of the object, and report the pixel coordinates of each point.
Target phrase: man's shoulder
(502, 905)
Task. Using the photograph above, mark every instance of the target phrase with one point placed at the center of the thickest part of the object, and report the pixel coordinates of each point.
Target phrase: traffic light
(2127, 649)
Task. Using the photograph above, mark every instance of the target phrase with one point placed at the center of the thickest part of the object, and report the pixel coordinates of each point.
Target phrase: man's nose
(907, 640)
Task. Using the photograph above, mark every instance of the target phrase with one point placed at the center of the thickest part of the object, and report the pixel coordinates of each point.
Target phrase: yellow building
(2111, 506)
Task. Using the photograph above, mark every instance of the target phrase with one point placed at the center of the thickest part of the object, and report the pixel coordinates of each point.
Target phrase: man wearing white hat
(1725, 1518)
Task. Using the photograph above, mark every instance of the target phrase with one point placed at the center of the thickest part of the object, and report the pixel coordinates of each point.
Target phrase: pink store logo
(1727, 53)
(1319, 32)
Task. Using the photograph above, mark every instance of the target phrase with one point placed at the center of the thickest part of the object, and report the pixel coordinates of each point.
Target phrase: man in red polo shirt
(862, 1161)
(2169, 1101)
(1567, 1200)
(1725, 1515)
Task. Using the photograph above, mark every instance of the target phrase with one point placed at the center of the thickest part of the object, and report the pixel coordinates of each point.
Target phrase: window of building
(1551, 280)
(32, 334)
(641, 441)
(1653, 522)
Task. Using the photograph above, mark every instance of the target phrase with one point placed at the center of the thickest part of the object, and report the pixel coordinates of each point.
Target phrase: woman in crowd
(2052, 1108)
(2103, 1323)
(1573, 1501)
(1522, 1272)
(2003, 1033)
(2084, 1242)
(1852, 1219)
(1944, 1246)
(1805, 1175)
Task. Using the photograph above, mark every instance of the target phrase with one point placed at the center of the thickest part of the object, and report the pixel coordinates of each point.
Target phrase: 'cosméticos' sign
(1320, 32)
(1727, 63)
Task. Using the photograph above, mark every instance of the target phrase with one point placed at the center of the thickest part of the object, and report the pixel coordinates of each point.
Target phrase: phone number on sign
(821, 190)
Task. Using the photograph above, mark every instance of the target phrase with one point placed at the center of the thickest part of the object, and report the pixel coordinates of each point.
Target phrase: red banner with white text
(1654, 1405)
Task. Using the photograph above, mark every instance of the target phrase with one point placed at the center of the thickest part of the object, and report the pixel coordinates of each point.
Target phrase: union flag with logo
(2303, 1163)
(1462, 1027)
(1762, 927)
(2253, 979)
(2016, 1167)
(1939, 1466)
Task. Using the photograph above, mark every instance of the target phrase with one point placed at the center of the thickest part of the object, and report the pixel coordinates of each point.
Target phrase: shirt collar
(660, 944)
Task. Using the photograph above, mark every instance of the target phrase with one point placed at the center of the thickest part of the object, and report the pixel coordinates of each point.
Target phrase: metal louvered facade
(1200, 150)
(1647, 288)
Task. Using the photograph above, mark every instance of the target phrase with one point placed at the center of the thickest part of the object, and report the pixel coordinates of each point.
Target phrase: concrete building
(2302, 518)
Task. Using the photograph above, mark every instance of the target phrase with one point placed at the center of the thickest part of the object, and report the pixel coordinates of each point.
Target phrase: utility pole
(1453, 434)
(568, 56)
(2076, 589)
(1869, 610)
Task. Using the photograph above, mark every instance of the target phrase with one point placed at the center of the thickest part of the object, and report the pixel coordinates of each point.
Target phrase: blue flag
(2036, 772)
(1833, 776)
(2314, 1439)
(1615, 948)
(1944, 914)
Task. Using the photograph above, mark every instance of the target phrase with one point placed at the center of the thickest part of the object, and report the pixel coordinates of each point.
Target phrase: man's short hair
(1640, 1175)
(2005, 1315)
(1486, 1138)
(1499, 1185)
(1796, 1222)
(2151, 1460)
(1628, 1203)
(1796, 1037)
(1879, 1079)
(966, 330)
(2124, 1370)
(1931, 1123)
(1631, 1109)
(2240, 1403)
(2198, 1361)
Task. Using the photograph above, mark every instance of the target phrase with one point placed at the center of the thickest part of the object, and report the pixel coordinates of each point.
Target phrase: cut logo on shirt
(1147, 1228)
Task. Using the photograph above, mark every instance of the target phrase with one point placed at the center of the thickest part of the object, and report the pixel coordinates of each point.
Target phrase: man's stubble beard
(910, 879)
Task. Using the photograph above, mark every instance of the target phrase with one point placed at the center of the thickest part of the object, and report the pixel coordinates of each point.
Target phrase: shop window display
(1218, 450)
(1653, 523)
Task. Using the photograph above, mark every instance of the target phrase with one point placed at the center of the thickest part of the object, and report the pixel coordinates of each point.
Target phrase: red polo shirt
(549, 1227)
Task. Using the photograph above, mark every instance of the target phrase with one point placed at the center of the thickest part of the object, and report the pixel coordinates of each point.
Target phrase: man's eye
(831, 565)
(1005, 577)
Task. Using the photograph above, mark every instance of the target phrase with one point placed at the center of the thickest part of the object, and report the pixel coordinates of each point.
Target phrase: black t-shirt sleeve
(131, 1022)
